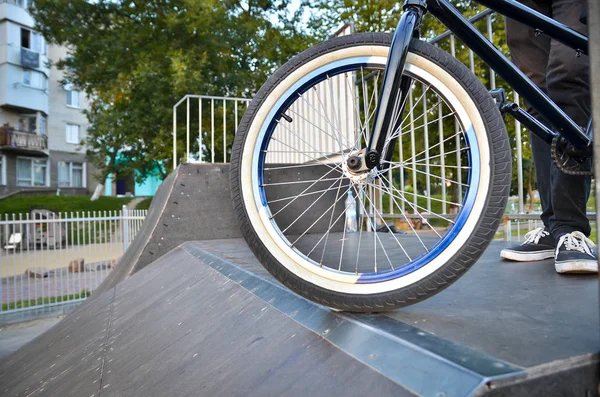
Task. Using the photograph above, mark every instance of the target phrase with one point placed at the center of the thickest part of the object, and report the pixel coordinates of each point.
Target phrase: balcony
(16, 11)
(30, 59)
(23, 142)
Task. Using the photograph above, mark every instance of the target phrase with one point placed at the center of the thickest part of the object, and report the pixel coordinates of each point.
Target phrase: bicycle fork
(393, 94)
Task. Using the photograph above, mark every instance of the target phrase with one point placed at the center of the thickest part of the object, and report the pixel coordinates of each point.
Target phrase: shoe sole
(577, 267)
(519, 256)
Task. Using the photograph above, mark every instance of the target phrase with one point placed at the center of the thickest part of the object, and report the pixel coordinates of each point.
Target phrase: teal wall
(148, 188)
(108, 186)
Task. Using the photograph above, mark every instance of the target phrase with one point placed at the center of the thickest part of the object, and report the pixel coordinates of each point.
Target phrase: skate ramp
(194, 322)
(183, 327)
(192, 203)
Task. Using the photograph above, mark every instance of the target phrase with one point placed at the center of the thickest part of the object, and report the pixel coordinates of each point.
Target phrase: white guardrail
(51, 259)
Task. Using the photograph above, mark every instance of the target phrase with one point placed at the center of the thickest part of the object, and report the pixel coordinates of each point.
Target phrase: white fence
(51, 259)
(207, 121)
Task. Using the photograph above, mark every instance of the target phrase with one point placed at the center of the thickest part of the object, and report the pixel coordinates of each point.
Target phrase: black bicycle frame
(408, 27)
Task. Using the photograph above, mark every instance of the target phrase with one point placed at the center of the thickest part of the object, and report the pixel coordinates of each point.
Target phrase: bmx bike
(342, 117)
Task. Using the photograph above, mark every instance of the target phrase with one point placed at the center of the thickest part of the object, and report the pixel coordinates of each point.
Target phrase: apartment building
(42, 125)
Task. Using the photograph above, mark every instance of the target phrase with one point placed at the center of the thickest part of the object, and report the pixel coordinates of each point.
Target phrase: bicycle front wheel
(423, 217)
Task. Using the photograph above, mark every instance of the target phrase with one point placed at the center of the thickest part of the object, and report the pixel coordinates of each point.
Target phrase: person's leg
(568, 86)
(531, 54)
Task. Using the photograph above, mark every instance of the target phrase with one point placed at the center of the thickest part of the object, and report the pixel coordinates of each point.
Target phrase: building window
(71, 174)
(73, 133)
(73, 98)
(33, 41)
(42, 125)
(26, 38)
(27, 123)
(35, 79)
(32, 172)
(2, 170)
(27, 77)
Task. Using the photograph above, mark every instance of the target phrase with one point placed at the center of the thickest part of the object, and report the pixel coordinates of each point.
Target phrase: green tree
(136, 59)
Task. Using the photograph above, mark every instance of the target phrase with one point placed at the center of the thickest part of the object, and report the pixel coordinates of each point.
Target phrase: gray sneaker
(538, 245)
(575, 253)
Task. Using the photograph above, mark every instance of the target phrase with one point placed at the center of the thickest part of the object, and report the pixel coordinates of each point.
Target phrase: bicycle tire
(493, 170)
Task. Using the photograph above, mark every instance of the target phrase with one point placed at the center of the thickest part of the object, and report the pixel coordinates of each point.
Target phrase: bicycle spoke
(360, 231)
(335, 116)
(285, 167)
(319, 218)
(319, 128)
(406, 167)
(420, 126)
(329, 228)
(416, 207)
(325, 118)
(402, 197)
(360, 130)
(301, 182)
(302, 195)
(412, 109)
(379, 240)
(285, 144)
(389, 191)
(457, 151)
(308, 208)
(304, 191)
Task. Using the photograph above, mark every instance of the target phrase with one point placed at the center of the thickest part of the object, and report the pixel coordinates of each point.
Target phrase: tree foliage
(136, 59)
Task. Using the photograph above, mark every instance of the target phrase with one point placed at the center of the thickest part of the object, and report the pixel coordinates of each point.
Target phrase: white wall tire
(340, 289)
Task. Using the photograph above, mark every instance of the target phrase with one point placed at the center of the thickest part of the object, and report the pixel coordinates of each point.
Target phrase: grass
(24, 204)
(20, 304)
(144, 204)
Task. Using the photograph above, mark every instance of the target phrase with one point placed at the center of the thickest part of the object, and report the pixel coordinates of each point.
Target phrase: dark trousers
(557, 70)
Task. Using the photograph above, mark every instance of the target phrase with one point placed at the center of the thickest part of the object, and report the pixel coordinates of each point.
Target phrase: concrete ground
(13, 336)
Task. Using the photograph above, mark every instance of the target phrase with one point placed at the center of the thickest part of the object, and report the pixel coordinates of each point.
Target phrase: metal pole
(187, 132)
(174, 136)
(491, 37)
(518, 132)
(125, 224)
(200, 151)
(224, 130)
(212, 130)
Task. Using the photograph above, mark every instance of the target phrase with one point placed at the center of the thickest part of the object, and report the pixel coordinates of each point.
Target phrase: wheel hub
(351, 166)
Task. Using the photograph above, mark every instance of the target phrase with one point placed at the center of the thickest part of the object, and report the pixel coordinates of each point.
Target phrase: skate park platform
(189, 311)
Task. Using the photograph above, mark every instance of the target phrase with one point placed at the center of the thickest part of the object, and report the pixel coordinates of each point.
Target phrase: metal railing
(53, 259)
(23, 140)
(489, 17)
(208, 119)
